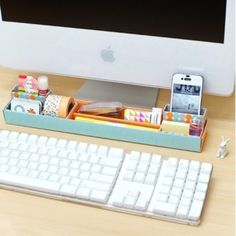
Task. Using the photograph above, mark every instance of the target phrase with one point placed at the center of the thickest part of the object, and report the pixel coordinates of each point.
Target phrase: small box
(17, 94)
(26, 106)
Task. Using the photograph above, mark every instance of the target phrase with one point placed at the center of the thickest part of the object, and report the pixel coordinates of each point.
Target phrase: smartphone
(186, 93)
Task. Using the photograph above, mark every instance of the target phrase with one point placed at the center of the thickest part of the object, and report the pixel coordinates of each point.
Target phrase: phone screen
(186, 98)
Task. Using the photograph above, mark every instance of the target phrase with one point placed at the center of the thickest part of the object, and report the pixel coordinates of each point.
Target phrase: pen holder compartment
(183, 117)
(83, 117)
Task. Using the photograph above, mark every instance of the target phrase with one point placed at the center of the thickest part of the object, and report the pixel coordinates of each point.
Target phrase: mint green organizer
(155, 138)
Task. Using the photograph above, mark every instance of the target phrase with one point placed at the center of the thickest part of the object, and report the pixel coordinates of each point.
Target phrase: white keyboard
(133, 182)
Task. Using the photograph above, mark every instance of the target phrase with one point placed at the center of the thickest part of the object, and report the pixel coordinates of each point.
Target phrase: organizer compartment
(116, 132)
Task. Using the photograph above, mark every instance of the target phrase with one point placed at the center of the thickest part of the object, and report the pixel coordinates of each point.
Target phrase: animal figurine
(223, 151)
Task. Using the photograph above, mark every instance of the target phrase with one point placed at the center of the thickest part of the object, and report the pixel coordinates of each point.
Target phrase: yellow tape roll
(58, 106)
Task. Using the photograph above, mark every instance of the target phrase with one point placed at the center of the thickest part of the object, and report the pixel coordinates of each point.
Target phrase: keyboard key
(181, 173)
(102, 178)
(183, 164)
(62, 153)
(185, 202)
(102, 151)
(116, 152)
(162, 197)
(129, 202)
(201, 187)
(35, 184)
(54, 177)
(179, 183)
(182, 212)
(82, 147)
(188, 193)
(23, 137)
(173, 200)
(173, 161)
(176, 191)
(42, 140)
(84, 175)
(51, 169)
(192, 175)
(32, 139)
(52, 151)
(75, 181)
(4, 135)
(83, 193)
(61, 143)
(99, 196)
(199, 196)
(14, 154)
(92, 149)
(156, 159)
(129, 175)
(165, 208)
(154, 168)
(142, 167)
(206, 168)
(190, 185)
(52, 142)
(13, 135)
(65, 179)
(96, 168)
(150, 179)
(167, 181)
(109, 171)
(72, 145)
(145, 157)
(132, 165)
(204, 178)
(68, 190)
(195, 210)
(194, 165)
(95, 185)
(139, 177)
(119, 199)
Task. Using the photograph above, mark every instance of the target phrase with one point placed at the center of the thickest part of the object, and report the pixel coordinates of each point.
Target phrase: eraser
(136, 115)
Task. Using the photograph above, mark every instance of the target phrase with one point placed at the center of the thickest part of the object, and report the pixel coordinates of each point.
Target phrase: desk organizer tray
(115, 131)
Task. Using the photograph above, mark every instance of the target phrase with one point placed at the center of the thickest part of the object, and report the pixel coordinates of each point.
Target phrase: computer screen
(131, 42)
(202, 20)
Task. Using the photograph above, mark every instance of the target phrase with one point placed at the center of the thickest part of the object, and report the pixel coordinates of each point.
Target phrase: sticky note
(175, 127)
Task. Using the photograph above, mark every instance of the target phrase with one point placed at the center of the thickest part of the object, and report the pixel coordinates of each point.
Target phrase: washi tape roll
(58, 106)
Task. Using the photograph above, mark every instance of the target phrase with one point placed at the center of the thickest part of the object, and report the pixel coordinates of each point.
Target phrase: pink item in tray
(27, 82)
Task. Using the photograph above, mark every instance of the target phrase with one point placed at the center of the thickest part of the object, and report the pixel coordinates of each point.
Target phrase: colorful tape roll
(58, 106)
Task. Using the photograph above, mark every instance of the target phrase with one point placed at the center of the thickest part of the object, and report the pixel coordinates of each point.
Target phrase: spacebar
(29, 183)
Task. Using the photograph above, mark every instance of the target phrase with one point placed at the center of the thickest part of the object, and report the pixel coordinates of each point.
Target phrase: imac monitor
(131, 42)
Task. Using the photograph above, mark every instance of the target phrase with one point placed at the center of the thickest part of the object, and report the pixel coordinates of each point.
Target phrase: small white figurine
(222, 151)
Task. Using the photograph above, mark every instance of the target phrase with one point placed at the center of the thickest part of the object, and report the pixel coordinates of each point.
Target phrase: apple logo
(107, 55)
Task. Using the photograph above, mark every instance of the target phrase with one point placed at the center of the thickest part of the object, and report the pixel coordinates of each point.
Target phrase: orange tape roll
(58, 106)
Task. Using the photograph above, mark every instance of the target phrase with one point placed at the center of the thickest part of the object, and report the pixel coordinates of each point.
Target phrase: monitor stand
(131, 95)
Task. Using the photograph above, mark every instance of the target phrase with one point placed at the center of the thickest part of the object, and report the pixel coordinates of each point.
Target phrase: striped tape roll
(57, 106)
